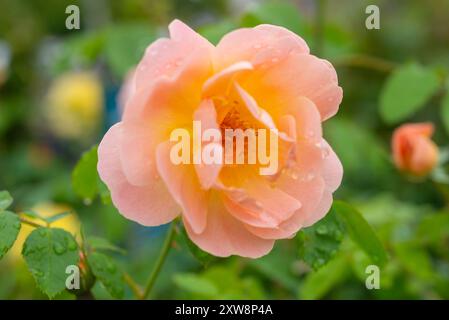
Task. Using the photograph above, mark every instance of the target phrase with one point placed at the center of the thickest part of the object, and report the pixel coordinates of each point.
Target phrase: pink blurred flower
(413, 150)
(263, 77)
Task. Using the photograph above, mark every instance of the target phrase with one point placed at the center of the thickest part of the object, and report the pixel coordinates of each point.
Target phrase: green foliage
(85, 180)
(119, 40)
(81, 49)
(320, 242)
(195, 284)
(219, 282)
(281, 259)
(48, 252)
(108, 273)
(415, 260)
(84, 176)
(97, 243)
(365, 153)
(214, 32)
(434, 228)
(278, 13)
(319, 283)
(406, 91)
(445, 111)
(9, 229)
(361, 232)
(5, 200)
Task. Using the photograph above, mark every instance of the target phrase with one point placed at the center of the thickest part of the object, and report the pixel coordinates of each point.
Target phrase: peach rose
(413, 150)
(263, 77)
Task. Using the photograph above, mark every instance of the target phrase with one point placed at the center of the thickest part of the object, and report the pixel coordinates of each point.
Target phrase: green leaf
(361, 232)
(33, 215)
(119, 40)
(9, 229)
(445, 111)
(203, 257)
(97, 243)
(85, 178)
(320, 242)
(406, 91)
(5, 200)
(107, 271)
(195, 284)
(105, 195)
(317, 284)
(48, 252)
(58, 216)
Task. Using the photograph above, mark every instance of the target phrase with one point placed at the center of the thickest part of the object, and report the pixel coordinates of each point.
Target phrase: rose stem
(160, 261)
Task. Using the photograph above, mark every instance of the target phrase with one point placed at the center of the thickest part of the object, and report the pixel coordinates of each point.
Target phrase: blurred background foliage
(59, 93)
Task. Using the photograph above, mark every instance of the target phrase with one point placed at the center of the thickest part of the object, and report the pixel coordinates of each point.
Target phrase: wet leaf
(320, 242)
(108, 273)
(48, 252)
(361, 232)
(9, 229)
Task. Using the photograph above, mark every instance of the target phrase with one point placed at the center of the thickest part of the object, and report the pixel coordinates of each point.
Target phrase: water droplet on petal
(325, 152)
(294, 175)
(309, 177)
(310, 134)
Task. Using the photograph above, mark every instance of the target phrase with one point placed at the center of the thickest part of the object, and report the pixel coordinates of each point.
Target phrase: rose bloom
(263, 77)
(413, 150)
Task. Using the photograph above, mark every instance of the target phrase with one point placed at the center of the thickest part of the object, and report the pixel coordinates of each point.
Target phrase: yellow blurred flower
(69, 223)
(74, 105)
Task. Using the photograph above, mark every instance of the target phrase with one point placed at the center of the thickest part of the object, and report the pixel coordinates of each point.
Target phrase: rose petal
(220, 82)
(208, 173)
(297, 75)
(332, 169)
(224, 235)
(248, 44)
(183, 184)
(151, 205)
